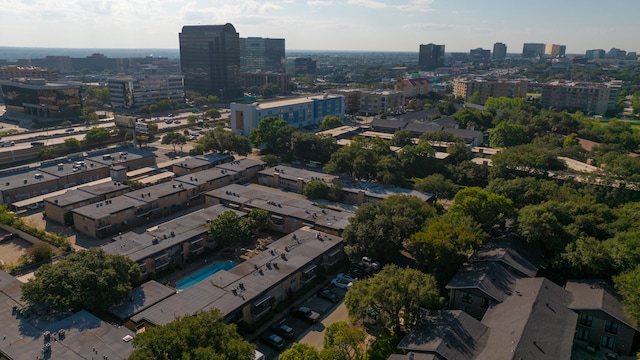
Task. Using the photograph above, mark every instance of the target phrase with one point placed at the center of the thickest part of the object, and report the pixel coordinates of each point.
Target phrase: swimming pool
(204, 273)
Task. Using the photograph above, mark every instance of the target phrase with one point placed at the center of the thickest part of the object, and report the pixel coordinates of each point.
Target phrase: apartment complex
(389, 102)
(465, 87)
(431, 56)
(30, 72)
(210, 60)
(42, 100)
(595, 98)
(258, 79)
(128, 92)
(299, 112)
(413, 87)
(262, 55)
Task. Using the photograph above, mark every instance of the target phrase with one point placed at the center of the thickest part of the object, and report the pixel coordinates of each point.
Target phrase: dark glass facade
(262, 54)
(51, 101)
(210, 60)
(431, 56)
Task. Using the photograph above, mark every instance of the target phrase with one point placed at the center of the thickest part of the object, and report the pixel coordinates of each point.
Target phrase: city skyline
(359, 25)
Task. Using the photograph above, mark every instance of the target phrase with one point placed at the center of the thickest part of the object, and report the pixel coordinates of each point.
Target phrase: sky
(363, 25)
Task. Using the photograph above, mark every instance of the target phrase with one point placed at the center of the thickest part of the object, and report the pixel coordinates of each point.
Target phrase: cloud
(321, 3)
(416, 5)
(368, 4)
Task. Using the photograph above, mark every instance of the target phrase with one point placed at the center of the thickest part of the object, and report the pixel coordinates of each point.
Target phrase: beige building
(465, 87)
(413, 87)
(57, 207)
(200, 162)
(389, 102)
(595, 98)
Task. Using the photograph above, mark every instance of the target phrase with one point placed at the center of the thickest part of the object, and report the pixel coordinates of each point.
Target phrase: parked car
(305, 313)
(70, 130)
(368, 263)
(341, 283)
(274, 341)
(284, 330)
(7, 236)
(168, 121)
(346, 277)
(327, 294)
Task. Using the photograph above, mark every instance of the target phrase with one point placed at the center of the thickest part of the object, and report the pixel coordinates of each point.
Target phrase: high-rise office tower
(210, 60)
(499, 51)
(431, 56)
(262, 54)
(479, 55)
(556, 50)
(533, 50)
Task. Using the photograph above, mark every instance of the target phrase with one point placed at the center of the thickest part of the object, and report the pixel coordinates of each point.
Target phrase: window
(582, 334)
(607, 342)
(611, 327)
(466, 298)
(585, 319)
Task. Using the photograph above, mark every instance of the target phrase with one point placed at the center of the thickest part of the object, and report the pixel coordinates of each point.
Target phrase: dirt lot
(11, 250)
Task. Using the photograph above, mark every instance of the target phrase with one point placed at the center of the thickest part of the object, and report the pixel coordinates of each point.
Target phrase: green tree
(223, 141)
(459, 152)
(212, 99)
(343, 341)
(316, 189)
(445, 244)
(378, 229)
(174, 139)
(96, 136)
(192, 119)
(300, 351)
(309, 147)
(438, 185)
(628, 285)
(47, 153)
(507, 134)
(90, 279)
(39, 252)
(475, 98)
(401, 138)
(391, 301)
(201, 336)
(485, 208)
(330, 122)
(270, 160)
(72, 143)
(228, 230)
(212, 114)
(274, 134)
(336, 192)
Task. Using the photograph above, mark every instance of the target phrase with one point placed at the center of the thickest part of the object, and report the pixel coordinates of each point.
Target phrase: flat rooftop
(71, 197)
(70, 168)
(141, 298)
(293, 173)
(159, 191)
(105, 208)
(21, 179)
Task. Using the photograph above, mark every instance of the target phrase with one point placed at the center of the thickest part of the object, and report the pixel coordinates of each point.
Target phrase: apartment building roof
(292, 173)
(597, 295)
(512, 252)
(142, 297)
(119, 157)
(84, 334)
(71, 197)
(241, 164)
(413, 356)
(490, 278)
(282, 203)
(202, 177)
(451, 334)
(105, 208)
(381, 191)
(159, 191)
(166, 235)
(420, 115)
(248, 282)
(70, 168)
(533, 323)
(103, 188)
(192, 163)
(339, 131)
(18, 180)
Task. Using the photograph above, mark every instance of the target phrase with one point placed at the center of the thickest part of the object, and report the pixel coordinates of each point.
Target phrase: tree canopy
(96, 136)
(330, 122)
(223, 141)
(379, 229)
(273, 133)
(202, 336)
(391, 301)
(174, 139)
(89, 279)
(485, 208)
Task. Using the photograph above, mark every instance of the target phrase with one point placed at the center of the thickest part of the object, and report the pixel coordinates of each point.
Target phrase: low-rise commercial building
(41, 100)
(129, 92)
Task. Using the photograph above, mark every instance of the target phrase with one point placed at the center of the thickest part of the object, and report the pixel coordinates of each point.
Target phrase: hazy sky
(392, 25)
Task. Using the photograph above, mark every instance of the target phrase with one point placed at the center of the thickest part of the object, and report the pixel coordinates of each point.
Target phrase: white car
(341, 283)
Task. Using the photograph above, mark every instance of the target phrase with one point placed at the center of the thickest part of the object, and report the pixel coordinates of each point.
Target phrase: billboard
(141, 128)
(125, 121)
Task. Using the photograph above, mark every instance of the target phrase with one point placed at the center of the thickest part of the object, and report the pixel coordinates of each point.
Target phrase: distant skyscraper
(431, 56)
(262, 54)
(304, 66)
(499, 51)
(595, 54)
(532, 50)
(556, 51)
(479, 55)
(210, 60)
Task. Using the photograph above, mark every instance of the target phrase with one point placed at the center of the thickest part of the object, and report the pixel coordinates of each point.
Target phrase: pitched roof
(492, 279)
(512, 252)
(597, 295)
(451, 334)
(533, 323)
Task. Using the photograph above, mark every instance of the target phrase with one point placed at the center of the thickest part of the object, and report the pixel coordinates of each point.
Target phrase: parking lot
(305, 332)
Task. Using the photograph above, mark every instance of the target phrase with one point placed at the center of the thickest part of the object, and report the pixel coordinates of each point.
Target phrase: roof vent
(173, 234)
